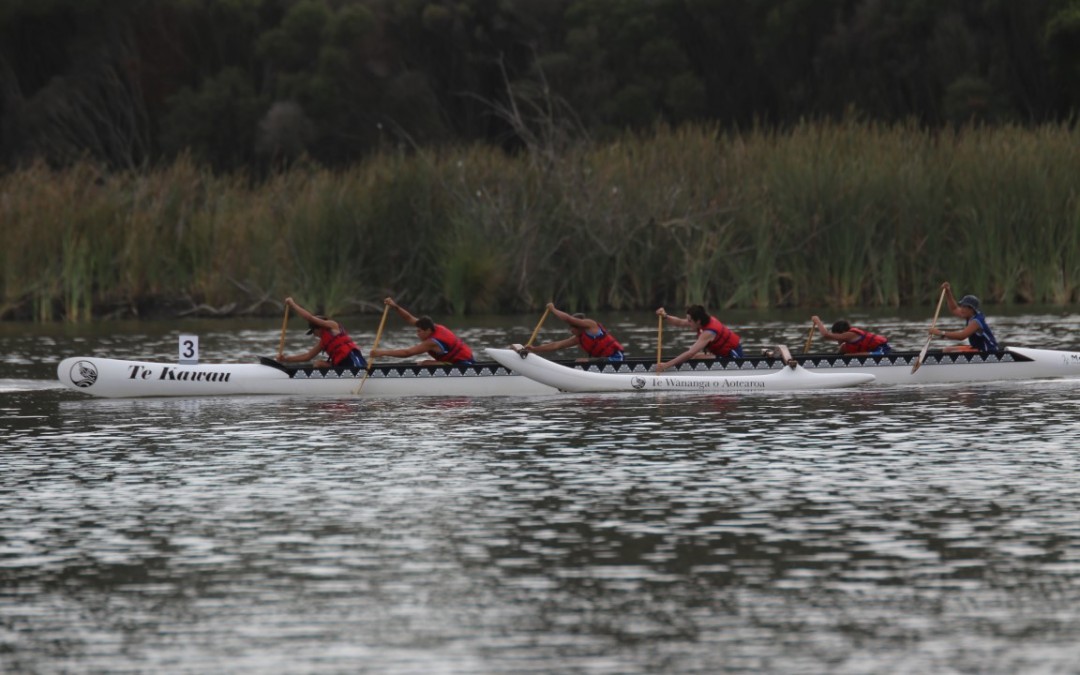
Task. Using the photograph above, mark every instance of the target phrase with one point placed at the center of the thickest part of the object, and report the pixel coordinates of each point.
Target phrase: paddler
(435, 339)
(853, 340)
(714, 338)
(587, 333)
(976, 331)
(339, 347)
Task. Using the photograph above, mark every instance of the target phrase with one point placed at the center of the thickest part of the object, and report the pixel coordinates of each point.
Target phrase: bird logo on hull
(83, 374)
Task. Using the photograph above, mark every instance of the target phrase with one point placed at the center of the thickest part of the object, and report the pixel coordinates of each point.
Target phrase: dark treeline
(243, 84)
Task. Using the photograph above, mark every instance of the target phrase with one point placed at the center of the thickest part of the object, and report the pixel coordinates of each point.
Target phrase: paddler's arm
(954, 308)
(402, 312)
(846, 336)
(328, 324)
(673, 320)
(964, 333)
(300, 358)
(553, 346)
(421, 348)
(703, 341)
(588, 325)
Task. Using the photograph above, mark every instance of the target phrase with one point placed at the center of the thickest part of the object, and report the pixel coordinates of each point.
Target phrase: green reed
(821, 216)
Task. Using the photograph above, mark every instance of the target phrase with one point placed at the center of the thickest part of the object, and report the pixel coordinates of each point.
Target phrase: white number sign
(189, 349)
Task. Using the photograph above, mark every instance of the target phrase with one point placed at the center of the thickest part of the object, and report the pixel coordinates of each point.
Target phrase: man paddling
(853, 340)
(435, 339)
(587, 333)
(714, 338)
(333, 340)
(976, 331)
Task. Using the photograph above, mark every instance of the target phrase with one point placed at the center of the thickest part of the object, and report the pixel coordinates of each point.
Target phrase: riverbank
(824, 215)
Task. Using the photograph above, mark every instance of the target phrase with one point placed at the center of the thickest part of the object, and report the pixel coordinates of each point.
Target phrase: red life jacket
(599, 346)
(456, 350)
(867, 342)
(337, 347)
(725, 341)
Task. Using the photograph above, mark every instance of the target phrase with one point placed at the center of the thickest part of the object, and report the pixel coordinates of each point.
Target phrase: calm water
(888, 530)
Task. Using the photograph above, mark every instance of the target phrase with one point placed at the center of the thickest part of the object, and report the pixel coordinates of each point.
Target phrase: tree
(217, 122)
(80, 95)
(1062, 39)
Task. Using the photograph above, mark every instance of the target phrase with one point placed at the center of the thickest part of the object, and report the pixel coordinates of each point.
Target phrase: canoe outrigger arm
(785, 354)
(521, 351)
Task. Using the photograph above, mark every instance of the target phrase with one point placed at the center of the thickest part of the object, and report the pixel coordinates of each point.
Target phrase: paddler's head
(698, 315)
(425, 327)
(969, 304)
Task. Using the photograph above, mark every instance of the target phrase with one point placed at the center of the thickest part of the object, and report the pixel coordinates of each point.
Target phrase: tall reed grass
(819, 216)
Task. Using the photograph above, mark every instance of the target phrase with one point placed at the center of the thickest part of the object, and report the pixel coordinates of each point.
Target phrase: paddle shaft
(281, 343)
(374, 346)
(659, 342)
(933, 324)
(536, 330)
(809, 339)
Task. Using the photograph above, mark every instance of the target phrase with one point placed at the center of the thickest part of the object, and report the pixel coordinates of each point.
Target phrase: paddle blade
(922, 355)
(273, 364)
(374, 346)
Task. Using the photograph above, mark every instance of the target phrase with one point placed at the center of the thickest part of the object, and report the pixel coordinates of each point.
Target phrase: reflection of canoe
(564, 378)
(116, 378)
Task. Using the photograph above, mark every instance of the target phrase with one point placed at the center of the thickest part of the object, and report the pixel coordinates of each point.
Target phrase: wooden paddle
(374, 346)
(809, 339)
(659, 341)
(536, 331)
(922, 354)
(284, 325)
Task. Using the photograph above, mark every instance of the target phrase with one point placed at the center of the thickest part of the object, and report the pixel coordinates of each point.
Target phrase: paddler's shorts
(354, 360)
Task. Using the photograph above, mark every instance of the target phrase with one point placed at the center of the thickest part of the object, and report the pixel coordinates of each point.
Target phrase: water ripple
(915, 529)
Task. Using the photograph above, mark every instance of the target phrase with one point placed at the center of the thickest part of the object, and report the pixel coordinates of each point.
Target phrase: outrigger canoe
(119, 378)
(938, 367)
(791, 377)
(116, 378)
(1011, 363)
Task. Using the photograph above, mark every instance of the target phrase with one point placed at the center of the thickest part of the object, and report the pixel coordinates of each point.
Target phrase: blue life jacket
(982, 339)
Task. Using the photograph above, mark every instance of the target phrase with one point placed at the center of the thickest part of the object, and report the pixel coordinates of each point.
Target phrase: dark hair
(425, 323)
(840, 326)
(698, 313)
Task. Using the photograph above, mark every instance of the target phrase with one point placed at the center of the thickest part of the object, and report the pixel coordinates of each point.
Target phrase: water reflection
(923, 529)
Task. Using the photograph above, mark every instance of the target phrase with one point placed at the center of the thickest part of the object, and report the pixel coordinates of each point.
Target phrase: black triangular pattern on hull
(641, 365)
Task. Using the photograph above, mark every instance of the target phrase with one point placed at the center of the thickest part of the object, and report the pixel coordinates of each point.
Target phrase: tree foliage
(246, 84)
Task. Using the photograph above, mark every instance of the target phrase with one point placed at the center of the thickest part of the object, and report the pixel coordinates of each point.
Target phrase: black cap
(969, 301)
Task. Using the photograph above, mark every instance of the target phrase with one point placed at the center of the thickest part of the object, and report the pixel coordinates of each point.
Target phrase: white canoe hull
(563, 378)
(1015, 363)
(115, 378)
(124, 378)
